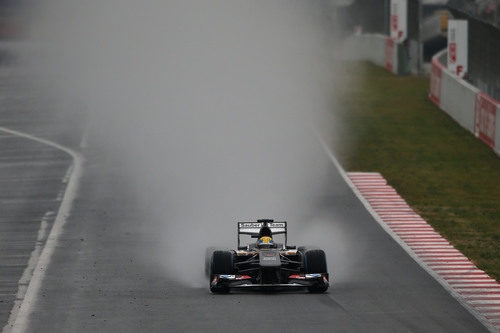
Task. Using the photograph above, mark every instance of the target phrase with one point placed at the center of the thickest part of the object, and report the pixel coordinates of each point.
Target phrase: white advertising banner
(458, 47)
(399, 22)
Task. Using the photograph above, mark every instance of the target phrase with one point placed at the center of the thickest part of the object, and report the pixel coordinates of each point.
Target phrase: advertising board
(389, 54)
(458, 47)
(399, 20)
(485, 111)
(436, 74)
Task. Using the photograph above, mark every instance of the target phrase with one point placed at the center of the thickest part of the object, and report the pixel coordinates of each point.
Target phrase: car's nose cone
(269, 258)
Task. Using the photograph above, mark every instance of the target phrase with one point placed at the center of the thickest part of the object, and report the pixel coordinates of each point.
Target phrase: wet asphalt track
(31, 179)
(96, 282)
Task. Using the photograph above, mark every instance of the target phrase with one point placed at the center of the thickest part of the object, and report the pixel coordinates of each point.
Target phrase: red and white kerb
(474, 286)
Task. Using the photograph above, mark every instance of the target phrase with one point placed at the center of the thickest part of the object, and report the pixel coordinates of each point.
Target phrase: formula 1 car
(265, 264)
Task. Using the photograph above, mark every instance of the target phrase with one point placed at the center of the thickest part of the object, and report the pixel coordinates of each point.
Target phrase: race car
(265, 263)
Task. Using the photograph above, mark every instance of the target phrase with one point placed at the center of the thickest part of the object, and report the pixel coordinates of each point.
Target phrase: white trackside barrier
(378, 49)
(466, 104)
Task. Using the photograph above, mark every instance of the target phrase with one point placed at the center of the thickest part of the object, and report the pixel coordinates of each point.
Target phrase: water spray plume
(208, 105)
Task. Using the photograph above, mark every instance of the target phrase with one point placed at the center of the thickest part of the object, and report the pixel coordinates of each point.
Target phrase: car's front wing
(245, 281)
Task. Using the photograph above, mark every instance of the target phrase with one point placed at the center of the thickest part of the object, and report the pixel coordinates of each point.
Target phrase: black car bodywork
(270, 267)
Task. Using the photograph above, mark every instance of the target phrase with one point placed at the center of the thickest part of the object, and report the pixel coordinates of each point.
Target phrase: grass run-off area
(448, 176)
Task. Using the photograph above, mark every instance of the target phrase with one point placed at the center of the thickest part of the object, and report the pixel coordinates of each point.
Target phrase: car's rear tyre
(221, 263)
(314, 263)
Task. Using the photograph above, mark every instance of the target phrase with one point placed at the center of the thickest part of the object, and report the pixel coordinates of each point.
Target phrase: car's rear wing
(252, 228)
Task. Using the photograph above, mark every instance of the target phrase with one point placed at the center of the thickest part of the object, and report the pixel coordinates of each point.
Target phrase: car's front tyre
(221, 263)
(315, 263)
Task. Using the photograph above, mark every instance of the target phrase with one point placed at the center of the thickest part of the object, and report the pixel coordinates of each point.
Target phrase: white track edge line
(19, 323)
(394, 236)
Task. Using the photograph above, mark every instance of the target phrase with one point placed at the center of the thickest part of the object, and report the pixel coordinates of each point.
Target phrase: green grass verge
(447, 175)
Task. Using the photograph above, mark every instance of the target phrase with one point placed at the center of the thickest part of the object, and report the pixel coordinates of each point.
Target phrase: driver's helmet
(265, 242)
